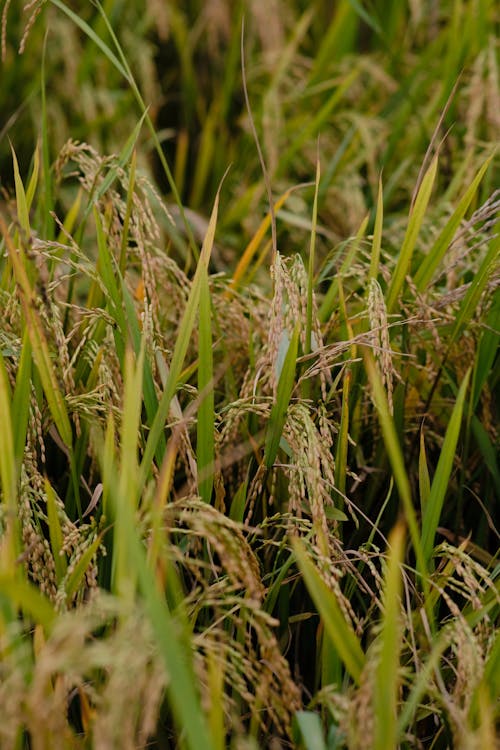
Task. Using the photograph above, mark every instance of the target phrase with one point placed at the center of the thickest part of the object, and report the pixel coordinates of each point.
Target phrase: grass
(248, 378)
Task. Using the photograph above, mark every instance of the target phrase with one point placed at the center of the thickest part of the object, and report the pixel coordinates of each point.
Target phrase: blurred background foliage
(370, 80)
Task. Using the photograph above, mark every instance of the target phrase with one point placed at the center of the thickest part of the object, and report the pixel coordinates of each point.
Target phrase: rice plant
(249, 303)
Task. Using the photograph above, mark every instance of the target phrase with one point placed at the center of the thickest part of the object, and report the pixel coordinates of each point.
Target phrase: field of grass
(249, 375)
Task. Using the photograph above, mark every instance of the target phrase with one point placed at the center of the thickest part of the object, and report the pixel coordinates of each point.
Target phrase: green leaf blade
(283, 395)
(205, 444)
(339, 630)
(414, 224)
(440, 483)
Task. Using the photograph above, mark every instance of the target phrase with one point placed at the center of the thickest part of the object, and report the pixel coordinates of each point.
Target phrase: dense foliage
(250, 316)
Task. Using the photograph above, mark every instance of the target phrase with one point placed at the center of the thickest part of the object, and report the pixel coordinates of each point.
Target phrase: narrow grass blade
(7, 453)
(33, 181)
(347, 332)
(310, 274)
(106, 268)
(283, 395)
(39, 343)
(343, 437)
(488, 451)
(71, 217)
(216, 717)
(377, 233)
(21, 398)
(435, 255)
(55, 533)
(21, 201)
(396, 459)
(9, 539)
(130, 425)
(180, 162)
(89, 31)
(424, 482)
(26, 597)
(76, 577)
(123, 579)
(205, 451)
(309, 732)
(485, 720)
(237, 510)
(185, 701)
(173, 641)
(107, 272)
(414, 223)
(491, 678)
(331, 667)
(369, 18)
(149, 392)
(337, 40)
(339, 630)
(123, 160)
(277, 585)
(487, 349)
(440, 483)
(476, 288)
(128, 212)
(47, 198)
(386, 687)
(202, 168)
(180, 349)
